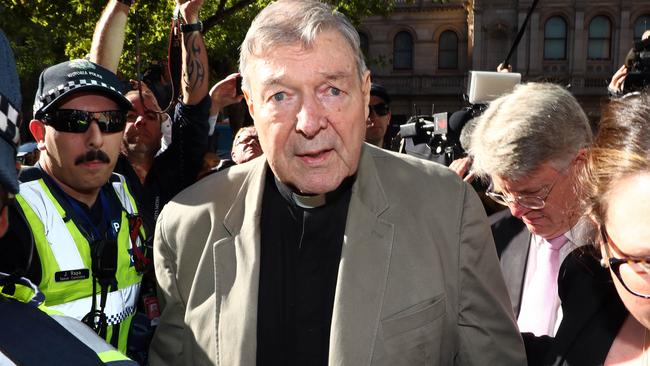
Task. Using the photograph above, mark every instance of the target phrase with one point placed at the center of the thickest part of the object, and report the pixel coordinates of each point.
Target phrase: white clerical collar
(313, 200)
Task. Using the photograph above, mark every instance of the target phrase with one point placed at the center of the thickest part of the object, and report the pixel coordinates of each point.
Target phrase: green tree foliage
(45, 32)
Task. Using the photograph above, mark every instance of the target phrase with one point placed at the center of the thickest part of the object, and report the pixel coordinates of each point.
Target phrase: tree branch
(222, 13)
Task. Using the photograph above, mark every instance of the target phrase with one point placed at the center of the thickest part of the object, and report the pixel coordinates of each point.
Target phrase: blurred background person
(617, 186)
(156, 177)
(28, 154)
(379, 116)
(245, 147)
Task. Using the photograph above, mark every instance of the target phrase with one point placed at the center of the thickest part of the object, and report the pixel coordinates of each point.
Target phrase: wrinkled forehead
(149, 100)
(272, 53)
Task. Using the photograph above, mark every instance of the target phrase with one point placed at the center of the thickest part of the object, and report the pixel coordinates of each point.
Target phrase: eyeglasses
(530, 202)
(78, 121)
(632, 272)
(380, 109)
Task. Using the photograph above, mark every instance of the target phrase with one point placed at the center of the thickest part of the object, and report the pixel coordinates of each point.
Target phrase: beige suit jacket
(418, 283)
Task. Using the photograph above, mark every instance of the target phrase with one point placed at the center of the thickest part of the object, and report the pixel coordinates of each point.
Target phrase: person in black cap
(379, 116)
(27, 326)
(83, 219)
(157, 177)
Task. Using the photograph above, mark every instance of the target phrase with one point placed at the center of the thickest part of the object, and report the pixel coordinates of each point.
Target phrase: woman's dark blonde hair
(621, 149)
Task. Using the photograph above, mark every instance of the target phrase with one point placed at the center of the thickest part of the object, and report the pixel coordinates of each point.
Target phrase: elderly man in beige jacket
(326, 250)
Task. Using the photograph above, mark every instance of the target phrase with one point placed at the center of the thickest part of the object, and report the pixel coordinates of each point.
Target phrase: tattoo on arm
(194, 72)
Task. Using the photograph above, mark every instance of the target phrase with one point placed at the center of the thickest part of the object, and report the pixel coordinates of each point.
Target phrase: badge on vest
(72, 275)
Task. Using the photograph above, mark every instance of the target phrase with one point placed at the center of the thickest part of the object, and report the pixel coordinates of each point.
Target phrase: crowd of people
(125, 244)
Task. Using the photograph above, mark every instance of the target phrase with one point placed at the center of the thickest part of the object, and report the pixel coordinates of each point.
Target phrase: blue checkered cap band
(62, 80)
(8, 120)
(61, 89)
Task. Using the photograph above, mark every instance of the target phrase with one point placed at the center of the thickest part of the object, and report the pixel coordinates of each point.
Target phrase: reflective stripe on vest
(57, 234)
(120, 304)
(62, 247)
(107, 354)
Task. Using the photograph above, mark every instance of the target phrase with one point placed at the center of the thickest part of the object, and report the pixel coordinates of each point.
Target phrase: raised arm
(108, 39)
(195, 78)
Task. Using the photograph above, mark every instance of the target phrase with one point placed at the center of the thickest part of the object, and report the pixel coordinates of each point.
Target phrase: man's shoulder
(503, 224)
(409, 185)
(503, 217)
(411, 169)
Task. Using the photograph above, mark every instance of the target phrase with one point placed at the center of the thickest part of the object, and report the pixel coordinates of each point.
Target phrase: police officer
(27, 325)
(82, 217)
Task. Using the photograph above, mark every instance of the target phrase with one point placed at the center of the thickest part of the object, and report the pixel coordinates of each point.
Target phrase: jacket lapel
(513, 264)
(363, 270)
(236, 261)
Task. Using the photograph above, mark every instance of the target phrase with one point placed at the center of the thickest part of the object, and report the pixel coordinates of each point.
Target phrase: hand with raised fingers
(190, 10)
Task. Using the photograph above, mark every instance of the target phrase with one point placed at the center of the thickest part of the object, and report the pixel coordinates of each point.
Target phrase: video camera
(438, 138)
(638, 62)
(429, 137)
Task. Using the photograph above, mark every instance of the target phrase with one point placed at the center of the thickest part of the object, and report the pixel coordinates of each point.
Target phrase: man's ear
(37, 128)
(249, 102)
(365, 90)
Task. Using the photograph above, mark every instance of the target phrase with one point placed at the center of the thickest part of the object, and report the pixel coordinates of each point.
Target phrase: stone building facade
(423, 50)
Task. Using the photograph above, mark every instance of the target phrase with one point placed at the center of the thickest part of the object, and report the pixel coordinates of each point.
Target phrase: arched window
(364, 43)
(600, 38)
(641, 25)
(555, 39)
(403, 51)
(448, 50)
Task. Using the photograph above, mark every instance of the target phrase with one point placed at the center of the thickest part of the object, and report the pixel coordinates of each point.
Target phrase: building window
(364, 43)
(403, 51)
(555, 39)
(448, 50)
(600, 34)
(641, 25)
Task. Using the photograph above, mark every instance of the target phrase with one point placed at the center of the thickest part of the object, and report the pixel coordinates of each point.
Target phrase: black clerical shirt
(301, 250)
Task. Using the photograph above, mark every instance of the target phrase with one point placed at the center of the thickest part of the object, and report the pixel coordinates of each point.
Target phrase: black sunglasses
(77, 121)
(381, 109)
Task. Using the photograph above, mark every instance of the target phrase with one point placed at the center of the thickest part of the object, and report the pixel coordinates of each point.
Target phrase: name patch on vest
(72, 275)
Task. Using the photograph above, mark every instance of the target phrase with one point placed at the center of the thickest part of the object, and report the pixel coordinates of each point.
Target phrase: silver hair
(536, 123)
(287, 22)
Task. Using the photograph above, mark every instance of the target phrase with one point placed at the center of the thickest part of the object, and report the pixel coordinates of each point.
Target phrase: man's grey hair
(536, 123)
(287, 22)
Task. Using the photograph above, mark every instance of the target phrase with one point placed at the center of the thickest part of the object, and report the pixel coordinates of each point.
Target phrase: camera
(429, 137)
(638, 62)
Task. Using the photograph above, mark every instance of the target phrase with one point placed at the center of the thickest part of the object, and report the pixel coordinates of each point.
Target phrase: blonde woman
(617, 184)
